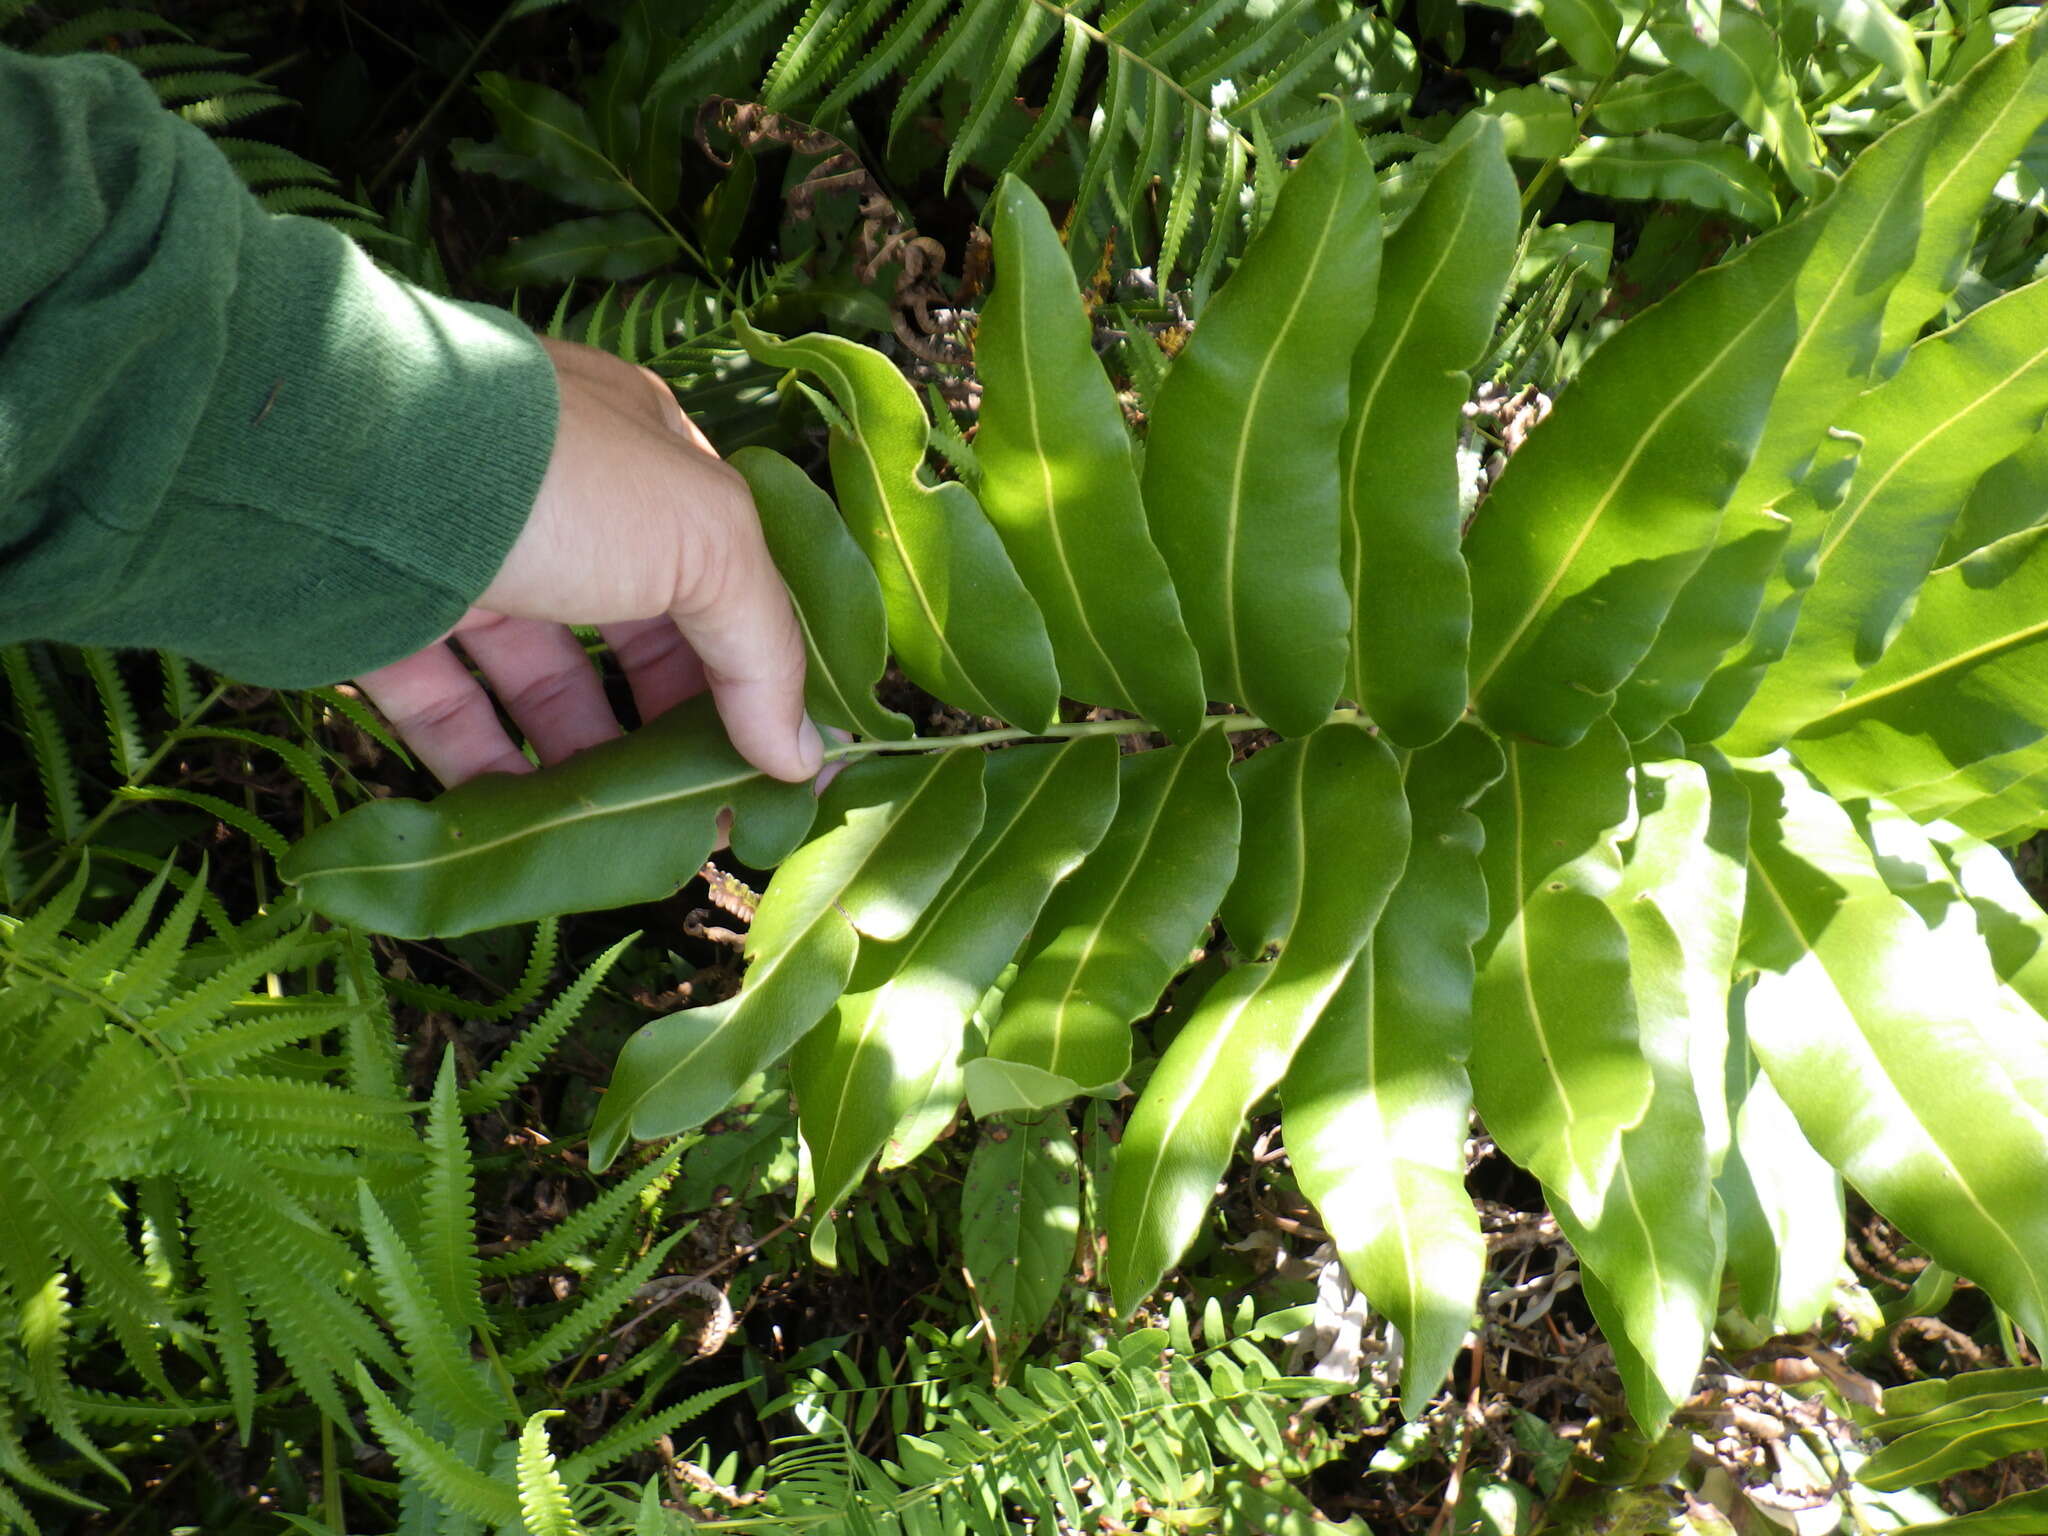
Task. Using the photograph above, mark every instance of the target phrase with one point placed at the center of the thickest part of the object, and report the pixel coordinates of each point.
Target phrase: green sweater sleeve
(227, 433)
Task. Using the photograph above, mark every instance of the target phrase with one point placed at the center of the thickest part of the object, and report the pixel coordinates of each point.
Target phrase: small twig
(455, 83)
(1473, 1418)
(1586, 108)
(1233, 725)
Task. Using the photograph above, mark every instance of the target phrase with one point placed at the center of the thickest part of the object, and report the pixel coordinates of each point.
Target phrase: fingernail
(810, 748)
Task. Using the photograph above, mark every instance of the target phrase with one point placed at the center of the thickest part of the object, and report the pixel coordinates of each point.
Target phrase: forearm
(224, 432)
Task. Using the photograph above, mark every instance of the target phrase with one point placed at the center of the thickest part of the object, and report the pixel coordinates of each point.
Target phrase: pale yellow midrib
(1080, 965)
(1521, 921)
(2012, 640)
(759, 973)
(902, 552)
(1397, 1204)
(1833, 540)
(1052, 520)
(853, 711)
(1226, 1031)
(1628, 1184)
(1620, 478)
(570, 819)
(1877, 1061)
(928, 923)
(1244, 443)
(1348, 461)
(1849, 268)
(1960, 162)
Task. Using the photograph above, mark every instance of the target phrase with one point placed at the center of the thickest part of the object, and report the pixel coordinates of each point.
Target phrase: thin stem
(455, 83)
(1592, 101)
(331, 1510)
(1063, 731)
(621, 177)
(106, 1005)
(1102, 37)
(682, 244)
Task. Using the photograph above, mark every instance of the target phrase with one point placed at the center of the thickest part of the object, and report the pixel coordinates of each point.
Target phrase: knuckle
(431, 715)
(536, 695)
(649, 647)
(706, 571)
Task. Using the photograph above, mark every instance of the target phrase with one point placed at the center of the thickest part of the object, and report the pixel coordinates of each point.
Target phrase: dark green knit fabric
(227, 433)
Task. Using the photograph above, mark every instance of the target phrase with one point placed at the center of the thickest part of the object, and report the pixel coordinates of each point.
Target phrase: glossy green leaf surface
(1783, 1200)
(1743, 70)
(1535, 122)
(1020, 1216)
(2011, 922)
(1326, 834)
(1376, 1104)
(2021, 1515)
(1715, 609)
(1115, 932)
(1442, 276)
(1913, 1405)
(547, 141)
(1589, 29)
(1964, 400)
(1962, 144)
(1942, 1450)
(2012, 815)
(1875, 30)
(1971, 786)
(960, 621)
(1998, 105)
(1240, 478)
(2011, 498)
(1963, 681)
(895, 828)
(1908, 1063)
(1668, 167)
(1654, 101)
(1061, 486)
(1869, 229)
(613, 246)
(1557, 1066)
(898, 1029)
(626, 821)
(837, 598)
(1610, 506)
(1652, 1246)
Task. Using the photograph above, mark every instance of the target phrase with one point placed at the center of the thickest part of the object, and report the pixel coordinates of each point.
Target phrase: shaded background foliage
(425, 118)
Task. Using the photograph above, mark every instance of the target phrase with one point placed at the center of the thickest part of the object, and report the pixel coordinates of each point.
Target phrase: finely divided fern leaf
(444, 1377)
(448, 1210)
(543, 1496)
(573, 1233)
(46, 743)
(526, 1053)
(1175, 96)
(438, 1468)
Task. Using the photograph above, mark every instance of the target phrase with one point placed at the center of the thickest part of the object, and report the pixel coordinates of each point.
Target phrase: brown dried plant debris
(924, 316)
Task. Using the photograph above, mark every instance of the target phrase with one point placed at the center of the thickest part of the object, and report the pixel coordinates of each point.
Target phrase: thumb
(734, 611)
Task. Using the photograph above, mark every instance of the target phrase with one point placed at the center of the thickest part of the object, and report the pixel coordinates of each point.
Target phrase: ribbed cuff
(367, 457)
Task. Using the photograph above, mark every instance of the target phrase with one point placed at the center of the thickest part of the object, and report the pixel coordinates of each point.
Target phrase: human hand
(640, 529)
